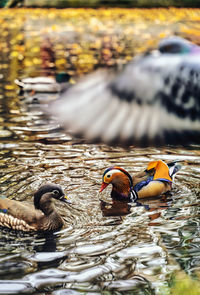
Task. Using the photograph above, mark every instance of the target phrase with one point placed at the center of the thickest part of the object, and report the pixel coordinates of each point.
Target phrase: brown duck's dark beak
(103, 186)
(65, 199)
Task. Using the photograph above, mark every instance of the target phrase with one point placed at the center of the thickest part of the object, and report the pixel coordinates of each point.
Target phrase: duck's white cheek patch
(108, 176)
(111, 172)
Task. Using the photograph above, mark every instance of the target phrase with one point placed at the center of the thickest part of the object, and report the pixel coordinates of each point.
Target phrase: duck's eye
(108, 176)
(56, 192)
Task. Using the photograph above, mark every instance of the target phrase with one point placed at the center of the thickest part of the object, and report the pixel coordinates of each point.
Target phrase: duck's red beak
(103, 186)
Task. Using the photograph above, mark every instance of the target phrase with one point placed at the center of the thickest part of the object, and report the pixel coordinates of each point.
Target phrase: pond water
(94, 253)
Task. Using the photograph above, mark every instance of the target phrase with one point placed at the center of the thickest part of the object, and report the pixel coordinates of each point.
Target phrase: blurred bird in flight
(153, 101)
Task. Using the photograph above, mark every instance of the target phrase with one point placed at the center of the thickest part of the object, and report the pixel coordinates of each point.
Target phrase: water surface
(94, 253)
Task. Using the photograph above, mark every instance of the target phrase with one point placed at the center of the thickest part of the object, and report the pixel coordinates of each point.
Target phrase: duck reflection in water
(119, 208)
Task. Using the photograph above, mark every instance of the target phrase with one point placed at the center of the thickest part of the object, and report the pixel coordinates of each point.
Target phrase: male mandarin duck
(154, 181)
(153, 101)
(49, 84)
(40, 217)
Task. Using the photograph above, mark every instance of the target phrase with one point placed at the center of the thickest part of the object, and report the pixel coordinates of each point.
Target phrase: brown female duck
(40, 217)
(152, 182)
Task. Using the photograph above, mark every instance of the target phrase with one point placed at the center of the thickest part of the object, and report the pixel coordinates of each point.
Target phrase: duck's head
(47, 192)
(177, 45)
(121, 181)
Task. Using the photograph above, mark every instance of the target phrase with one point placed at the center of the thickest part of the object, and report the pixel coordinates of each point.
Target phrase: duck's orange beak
(103, 186)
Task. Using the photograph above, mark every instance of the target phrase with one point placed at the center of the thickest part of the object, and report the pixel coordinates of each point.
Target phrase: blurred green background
(99, 3)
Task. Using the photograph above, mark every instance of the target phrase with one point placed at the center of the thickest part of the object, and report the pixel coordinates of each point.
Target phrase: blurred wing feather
(154, 101)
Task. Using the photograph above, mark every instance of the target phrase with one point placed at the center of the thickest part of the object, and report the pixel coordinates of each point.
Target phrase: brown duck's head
(119, 178)
(55, 191)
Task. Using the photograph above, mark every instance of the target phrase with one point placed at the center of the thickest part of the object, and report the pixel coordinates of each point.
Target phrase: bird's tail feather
(174, 167)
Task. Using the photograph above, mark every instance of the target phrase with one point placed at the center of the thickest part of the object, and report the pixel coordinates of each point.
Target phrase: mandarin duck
(40, 217)
(154, 181)
(154, 100)
(44, 84)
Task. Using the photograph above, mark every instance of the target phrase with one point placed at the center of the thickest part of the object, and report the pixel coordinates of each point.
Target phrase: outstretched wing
(154, 101)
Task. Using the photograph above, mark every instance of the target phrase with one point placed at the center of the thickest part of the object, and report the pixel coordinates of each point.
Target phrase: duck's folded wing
(154, 101)
(22, 211)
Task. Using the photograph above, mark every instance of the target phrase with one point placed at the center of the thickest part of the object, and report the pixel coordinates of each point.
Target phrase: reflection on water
(132, 248)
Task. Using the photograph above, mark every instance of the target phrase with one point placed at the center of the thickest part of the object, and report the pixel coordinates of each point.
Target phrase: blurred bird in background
(154, 101)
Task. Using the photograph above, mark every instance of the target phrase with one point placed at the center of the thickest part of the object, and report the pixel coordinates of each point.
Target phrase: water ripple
(95, 252)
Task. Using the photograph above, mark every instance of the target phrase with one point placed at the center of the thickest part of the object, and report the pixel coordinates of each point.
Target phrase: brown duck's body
(151, 182)
(26, 217)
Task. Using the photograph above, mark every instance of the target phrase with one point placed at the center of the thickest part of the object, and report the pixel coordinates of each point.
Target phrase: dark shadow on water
(46, 254)
(49, 244)
(153, 205)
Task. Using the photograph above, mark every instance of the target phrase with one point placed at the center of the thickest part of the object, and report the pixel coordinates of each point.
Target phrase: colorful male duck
(152, 182)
